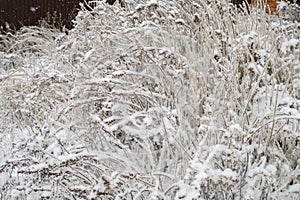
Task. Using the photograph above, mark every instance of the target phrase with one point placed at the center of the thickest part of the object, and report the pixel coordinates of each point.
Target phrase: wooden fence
(17, 13)
(270, 5)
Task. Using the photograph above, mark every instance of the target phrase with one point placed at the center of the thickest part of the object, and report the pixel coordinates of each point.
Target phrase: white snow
(148, 102)
(286, 46)
(295, 188)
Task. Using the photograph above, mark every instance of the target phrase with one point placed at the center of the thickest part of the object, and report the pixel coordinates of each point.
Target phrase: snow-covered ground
(172, 99)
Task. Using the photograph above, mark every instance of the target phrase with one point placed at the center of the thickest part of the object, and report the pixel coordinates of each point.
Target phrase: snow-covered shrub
(289, 10)
(243, 128)
(157, 100)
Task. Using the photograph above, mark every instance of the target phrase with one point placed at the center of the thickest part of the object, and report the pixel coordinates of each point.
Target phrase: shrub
(158, 100)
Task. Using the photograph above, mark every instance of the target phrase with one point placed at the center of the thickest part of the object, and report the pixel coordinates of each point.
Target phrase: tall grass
(158, 100)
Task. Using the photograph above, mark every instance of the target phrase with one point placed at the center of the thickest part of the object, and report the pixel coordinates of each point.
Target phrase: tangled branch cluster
(158, 100)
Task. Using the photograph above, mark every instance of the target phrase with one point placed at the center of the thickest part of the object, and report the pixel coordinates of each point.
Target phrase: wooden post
(269, 4)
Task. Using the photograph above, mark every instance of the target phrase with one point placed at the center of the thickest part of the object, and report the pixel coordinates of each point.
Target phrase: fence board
(18, 13)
